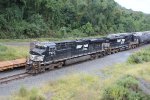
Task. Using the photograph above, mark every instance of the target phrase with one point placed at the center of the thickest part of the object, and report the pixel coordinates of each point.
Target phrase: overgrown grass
(140, 57)
(24, 94)
(126, 88)
(12, 52)
(75, 87)
(120, 83)
(124, 82)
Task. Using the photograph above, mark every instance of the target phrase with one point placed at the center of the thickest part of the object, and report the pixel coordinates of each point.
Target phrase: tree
(42, 18)
(88, 29)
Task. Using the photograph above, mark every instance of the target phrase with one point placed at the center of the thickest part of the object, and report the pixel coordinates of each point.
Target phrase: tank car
(144, 37)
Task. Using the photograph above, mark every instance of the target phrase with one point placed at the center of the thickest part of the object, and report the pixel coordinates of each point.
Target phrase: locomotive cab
(42, 51)
(39, 54)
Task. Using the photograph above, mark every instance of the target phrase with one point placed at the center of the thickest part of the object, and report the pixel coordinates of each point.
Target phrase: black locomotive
(48, 55)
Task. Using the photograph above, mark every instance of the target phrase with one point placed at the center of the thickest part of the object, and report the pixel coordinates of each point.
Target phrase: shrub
(126, 88)
(115, 92)
(129, 82)
(140, 57)
(88, 29)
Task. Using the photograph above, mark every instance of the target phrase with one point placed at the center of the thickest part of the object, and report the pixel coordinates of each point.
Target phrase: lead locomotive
(48, 55)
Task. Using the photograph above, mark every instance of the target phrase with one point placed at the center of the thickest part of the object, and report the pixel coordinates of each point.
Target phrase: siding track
(11, 78)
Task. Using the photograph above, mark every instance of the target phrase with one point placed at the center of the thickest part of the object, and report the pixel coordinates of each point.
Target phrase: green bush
(115, 92)
(129, 82)
(140, 57)
(126, 88)
(88, 29)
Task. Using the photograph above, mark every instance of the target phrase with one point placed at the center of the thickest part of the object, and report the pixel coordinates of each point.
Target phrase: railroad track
(8, 79)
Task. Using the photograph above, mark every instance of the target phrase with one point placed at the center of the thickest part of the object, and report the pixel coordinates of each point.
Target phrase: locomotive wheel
(93, 57)
(100, 55)
(96, 56)
(103, 54)
(60, 65)
(51, 67)
(42, 69)
(116, 51)
(137, 45)
(108, 53)
(112, 52)
(134, 46)
(36, 72)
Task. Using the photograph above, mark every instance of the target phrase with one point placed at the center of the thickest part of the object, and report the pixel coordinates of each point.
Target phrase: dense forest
(67, 18)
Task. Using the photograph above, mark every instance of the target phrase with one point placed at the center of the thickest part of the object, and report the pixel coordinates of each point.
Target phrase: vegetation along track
(8, 79)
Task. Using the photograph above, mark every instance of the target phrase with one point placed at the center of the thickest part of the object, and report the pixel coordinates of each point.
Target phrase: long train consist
(48, 55)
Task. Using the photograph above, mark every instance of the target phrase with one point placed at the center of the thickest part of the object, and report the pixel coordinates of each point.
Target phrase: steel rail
(10, 78)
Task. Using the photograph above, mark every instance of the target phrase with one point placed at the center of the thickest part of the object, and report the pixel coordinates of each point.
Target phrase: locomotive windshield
(40, 47)
(37, 54)
(38, 50)
(34, 53)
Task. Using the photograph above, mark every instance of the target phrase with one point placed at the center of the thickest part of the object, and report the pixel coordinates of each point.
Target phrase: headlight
(40, 58)
(36, 57)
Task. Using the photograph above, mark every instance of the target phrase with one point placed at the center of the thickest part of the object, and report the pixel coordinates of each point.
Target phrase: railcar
(144, 37)
(48, 55)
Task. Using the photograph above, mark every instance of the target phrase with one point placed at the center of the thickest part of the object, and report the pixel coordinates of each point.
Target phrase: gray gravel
(84, 67)
(11, 72)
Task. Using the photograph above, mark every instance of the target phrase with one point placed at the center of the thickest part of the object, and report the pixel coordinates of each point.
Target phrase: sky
(136, 5)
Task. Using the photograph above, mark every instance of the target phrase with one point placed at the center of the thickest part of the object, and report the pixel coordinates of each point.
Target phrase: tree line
(67, 18)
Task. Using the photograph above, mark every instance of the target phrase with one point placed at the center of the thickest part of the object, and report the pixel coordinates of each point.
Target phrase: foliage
(114, 84)
(88, 29)
(140, 57)
(126, 88)
(61, 18)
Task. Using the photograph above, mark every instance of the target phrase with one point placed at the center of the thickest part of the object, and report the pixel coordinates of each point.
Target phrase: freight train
(49, 55)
